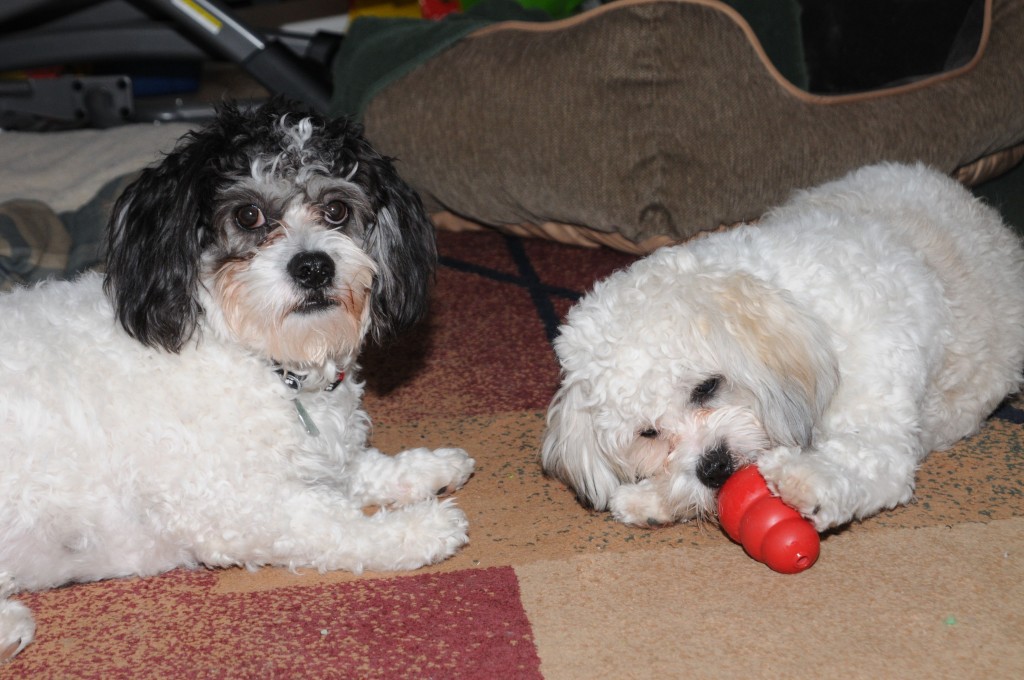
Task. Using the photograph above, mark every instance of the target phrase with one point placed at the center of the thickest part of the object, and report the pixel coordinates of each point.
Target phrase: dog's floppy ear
(788, 406)
(571, 451)
(782, 354)
(154, 246)
(400, 240)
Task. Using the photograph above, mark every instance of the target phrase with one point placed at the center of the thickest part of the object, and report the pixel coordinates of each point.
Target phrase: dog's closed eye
(703, 392)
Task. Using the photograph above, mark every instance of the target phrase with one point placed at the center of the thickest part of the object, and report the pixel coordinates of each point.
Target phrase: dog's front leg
(843, 478)
(657, 501)
(408, 477)
(642, 504)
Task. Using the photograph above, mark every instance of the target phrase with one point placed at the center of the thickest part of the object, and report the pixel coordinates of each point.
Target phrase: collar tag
(306, 419)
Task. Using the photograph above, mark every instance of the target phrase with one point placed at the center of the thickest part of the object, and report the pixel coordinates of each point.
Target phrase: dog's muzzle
(715, 466)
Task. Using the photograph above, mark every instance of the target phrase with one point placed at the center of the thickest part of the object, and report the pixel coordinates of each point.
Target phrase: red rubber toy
(769, 530)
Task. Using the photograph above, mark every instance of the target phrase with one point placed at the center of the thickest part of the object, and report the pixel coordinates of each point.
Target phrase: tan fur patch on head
(766, 327)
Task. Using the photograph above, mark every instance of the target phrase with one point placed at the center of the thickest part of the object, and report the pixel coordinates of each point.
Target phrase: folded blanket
(57, 190)
(38, 243)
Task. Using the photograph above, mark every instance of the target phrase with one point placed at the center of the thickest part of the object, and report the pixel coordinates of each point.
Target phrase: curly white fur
(146, 426)
(855, 329)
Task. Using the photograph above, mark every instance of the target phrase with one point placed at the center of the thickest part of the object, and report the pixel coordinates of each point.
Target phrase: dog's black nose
(312, 269)
(715, 466)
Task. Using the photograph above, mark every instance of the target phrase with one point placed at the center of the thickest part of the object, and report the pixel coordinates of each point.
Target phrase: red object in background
(769, 530)
(436, 9)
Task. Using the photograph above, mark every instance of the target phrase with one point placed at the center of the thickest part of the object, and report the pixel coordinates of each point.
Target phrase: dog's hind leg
(319, 528)
(407, 537)
(16, 625)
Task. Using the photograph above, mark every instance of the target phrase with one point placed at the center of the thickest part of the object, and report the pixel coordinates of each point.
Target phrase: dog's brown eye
(649, 433)
(704, 391)
(249, 217)
(336, 212)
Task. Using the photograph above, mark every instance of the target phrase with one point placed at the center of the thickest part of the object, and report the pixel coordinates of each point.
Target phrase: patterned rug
(547, 589)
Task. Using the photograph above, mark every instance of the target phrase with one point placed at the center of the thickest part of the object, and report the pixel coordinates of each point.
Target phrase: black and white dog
(200, 404)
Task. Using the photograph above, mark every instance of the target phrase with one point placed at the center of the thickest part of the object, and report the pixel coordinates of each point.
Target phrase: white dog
(201, 405)
(855, 329)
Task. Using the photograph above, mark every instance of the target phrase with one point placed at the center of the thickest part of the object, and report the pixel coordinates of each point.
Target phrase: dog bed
(644, 122)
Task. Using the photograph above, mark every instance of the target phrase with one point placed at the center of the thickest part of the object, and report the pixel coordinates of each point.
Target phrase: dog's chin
(694, 500)
(315, 304)
(317, 329)
(304, 331)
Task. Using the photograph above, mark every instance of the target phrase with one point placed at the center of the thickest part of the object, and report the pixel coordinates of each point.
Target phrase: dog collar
(295, 381)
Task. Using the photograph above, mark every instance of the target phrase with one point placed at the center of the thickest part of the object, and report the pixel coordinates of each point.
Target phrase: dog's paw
(460, 467)
(806, 485)
(431, 531)
(640, 504)
(16, 628)
(424, 474)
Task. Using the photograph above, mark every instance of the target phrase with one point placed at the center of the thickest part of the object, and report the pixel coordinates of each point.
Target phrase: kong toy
(769, 530)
